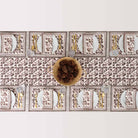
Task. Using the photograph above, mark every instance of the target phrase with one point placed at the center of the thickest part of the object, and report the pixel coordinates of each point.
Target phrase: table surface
(89, 15)
(109, 61)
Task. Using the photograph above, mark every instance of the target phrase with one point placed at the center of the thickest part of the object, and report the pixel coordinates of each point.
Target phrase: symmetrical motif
(12, 98)
(48, 43)
(123, 44)
(87, 99)
(12, 44)
(88, 43)
(124, 99)
(47, 99)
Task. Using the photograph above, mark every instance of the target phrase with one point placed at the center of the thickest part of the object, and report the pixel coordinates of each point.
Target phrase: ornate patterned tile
(47, 99)
(12, 98)
(12, 43)
(88, 43)
(48, 43)
(124, 99)
(87, 99)
(123, 44)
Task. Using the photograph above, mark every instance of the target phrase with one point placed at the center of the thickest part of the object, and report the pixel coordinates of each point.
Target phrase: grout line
(107, 45)
(108, 99)
(67, 98)
(67, 45)
(107, 56)
(27, 43)
(27, 98)
(67, 54)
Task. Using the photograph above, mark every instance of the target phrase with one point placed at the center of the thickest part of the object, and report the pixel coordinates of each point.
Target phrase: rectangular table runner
(110, 71)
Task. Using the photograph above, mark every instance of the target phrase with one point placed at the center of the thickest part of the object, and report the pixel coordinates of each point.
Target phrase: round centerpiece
(67, 71)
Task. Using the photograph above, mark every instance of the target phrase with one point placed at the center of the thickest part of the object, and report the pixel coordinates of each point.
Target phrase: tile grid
(48, 83)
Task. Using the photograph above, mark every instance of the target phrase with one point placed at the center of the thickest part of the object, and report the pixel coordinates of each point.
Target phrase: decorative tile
(12, 44)
(131, 43)
(123, 44)
(48, 44)
(36, 42)
(88, 43)
(12, 98)
(124, 98)
(47, 99)
(87, 99)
